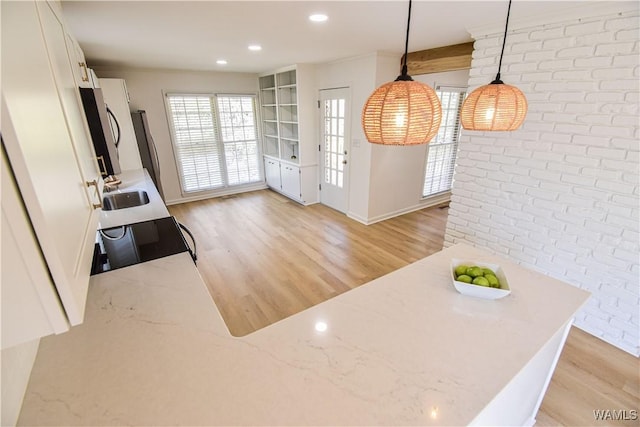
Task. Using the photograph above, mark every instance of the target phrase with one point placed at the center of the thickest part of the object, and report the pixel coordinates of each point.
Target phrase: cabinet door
(61, 65)
(41, 151)
(78, 63)
(290, 180)
(29, 299)
(272, 173)
(116, 97)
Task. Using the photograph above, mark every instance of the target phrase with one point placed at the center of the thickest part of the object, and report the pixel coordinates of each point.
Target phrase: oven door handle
(194, 253)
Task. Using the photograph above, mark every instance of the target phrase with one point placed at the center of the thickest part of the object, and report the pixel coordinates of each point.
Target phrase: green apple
(474, 271)
(480, 281)
(493, 280)
(487, 271)
(461, 269)
(464, 278)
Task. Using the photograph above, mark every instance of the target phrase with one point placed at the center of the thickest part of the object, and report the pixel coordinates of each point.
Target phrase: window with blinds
(215, 140)
(442, 151)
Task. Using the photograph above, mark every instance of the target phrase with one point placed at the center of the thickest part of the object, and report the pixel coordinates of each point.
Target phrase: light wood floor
(264, 258)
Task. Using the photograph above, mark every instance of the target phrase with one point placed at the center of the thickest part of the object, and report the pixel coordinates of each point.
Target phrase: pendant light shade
(496, 106)
(402, 112)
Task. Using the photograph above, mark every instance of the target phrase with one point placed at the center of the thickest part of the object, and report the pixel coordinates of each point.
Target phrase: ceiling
(192, 35)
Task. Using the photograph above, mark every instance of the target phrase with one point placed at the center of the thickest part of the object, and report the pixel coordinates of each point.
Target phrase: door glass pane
(334, 141)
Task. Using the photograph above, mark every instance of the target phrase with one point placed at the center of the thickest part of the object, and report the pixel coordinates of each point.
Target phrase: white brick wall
(561, 194)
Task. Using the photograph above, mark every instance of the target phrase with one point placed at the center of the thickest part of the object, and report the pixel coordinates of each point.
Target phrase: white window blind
(215, 140)
(442, 151)
(238, 130)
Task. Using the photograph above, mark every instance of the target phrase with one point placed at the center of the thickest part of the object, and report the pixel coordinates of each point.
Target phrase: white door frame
(334, 183)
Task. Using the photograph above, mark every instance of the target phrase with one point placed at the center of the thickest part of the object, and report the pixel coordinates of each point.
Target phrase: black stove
(131, 244)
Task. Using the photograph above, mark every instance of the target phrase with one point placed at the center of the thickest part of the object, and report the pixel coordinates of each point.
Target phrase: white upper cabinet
(117, 99)
(62, 63)
(81, 72)
(30, 304)
(48, 147)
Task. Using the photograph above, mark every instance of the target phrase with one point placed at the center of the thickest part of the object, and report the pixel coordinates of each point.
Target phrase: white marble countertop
(154, 350)
(135, 180)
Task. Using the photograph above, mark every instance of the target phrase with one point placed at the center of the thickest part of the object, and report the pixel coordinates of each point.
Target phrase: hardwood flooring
(264, 258)
(592, 375)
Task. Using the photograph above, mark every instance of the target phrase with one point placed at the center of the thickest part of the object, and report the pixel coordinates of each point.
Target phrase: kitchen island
(404, 349)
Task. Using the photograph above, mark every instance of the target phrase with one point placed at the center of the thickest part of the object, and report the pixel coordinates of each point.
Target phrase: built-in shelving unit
(269, 110)
(290, 166)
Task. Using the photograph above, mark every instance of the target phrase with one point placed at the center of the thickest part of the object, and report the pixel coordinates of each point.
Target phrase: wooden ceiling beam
(440, 59)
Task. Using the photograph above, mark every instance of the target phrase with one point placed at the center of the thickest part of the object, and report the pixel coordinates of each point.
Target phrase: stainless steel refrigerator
(147, 148)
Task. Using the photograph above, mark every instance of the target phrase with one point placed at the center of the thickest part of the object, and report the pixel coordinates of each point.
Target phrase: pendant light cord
(405, 75)
(504, 41)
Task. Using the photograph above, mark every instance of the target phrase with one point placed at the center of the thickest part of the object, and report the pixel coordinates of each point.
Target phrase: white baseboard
(423, 204)
(216, 193)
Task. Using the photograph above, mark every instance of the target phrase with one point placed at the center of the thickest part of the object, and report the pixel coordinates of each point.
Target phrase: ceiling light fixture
(221, 62)
(318, 17)
(402, 112)
(496, 106)
(255, 47)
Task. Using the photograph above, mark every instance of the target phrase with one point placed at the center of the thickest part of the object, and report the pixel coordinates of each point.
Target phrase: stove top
(131, 244)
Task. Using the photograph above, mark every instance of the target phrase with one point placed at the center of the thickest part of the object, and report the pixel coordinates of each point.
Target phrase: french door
(334, 148)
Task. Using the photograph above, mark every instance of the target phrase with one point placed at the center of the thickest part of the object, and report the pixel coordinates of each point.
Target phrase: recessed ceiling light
(221, 62)
(255, 47)
(318, 17)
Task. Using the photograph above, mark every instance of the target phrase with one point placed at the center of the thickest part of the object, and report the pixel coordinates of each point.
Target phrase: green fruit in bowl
(480, 281)
(493, 280)
(464, 278)
(488, 271)
(474, 271)
(461, 269)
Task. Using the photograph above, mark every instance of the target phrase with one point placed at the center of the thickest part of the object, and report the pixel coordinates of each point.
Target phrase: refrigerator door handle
(157, 162)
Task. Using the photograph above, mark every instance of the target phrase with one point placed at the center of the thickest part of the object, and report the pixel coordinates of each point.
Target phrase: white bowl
(476, 290)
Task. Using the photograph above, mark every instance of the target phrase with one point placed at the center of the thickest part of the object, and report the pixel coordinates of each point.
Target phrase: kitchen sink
(128, 199)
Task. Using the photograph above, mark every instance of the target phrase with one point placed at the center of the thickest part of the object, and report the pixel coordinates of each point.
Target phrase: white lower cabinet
(290, 180)
(272, 173)
(296, 182)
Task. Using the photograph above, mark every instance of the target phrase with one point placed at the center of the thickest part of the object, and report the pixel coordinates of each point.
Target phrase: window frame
(444, 194)
(213, 104)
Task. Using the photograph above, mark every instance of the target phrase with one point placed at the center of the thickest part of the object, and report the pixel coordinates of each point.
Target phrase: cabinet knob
(344, 162)
(94, 183)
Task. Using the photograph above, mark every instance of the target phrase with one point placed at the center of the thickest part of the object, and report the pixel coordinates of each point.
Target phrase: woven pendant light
(496, 106)
(402, 112)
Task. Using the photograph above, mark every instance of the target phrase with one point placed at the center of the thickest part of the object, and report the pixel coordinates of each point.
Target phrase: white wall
(397, 173)
(384, 181)
(561, 194)
(146, 92)
(359, 75)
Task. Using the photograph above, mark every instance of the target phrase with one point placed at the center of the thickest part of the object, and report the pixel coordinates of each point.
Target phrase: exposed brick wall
(561, 194)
